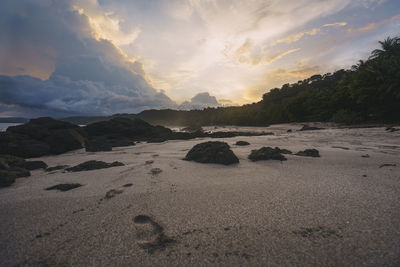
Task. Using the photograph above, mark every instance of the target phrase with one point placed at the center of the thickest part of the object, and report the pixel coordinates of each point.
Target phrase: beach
(340, 209)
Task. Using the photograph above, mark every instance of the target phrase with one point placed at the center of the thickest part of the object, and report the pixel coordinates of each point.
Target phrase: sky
(99, 57)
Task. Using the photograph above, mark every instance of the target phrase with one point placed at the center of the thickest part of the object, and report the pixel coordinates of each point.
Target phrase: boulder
(266, 153)
(34, 165)
(242, 143)
(7, 177)
(308, 153)
(97, 144)
(135, 129)
(41, 137)
(212, 152)
(94, 165)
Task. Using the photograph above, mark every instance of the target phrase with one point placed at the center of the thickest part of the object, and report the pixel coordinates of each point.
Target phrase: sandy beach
(342, 209)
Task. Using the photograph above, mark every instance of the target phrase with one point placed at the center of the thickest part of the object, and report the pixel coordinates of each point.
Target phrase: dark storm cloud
(90, 76)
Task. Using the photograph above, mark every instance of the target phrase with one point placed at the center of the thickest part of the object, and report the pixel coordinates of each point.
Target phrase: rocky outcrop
(212, 152)
(267, 153)
(94, 165)
(11, 168)
(46, 136)
(41, 137)
(242, 143)
(308, 153)
(34, 165)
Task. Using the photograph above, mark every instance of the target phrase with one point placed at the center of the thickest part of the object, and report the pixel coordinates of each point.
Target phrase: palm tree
(390, 47)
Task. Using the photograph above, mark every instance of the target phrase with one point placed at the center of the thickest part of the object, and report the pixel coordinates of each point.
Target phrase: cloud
(200, 101)
(372, 4)
(82, 73)
(202, 37)
(297, 36)
(254, 54)
(373, 25)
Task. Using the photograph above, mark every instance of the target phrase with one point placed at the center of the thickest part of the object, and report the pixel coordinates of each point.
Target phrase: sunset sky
(93, 57)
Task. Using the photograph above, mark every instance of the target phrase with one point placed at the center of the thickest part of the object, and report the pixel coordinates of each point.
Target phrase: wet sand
(342, 209)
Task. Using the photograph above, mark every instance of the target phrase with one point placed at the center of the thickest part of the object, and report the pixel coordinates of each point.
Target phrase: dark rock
(193, 128)
(7, 177)
(9, 161)
(94, 165)
(41, 137)
(135, 129)
(22, 145)
(156, 171)
(289, 131)
(242, 143)
(212, 152)
(156, 140)
(266, 153)
(127, 185)
(34, 165)
(308, 153)
(63, 187)
(283, 151)
(98, 144)
(392, 129)
(309, 128)
(11, 167)
(112, 193)
(55, 168)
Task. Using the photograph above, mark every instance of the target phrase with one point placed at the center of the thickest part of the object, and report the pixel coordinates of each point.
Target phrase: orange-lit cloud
(297, 36)
(372, 25)
(254, 54)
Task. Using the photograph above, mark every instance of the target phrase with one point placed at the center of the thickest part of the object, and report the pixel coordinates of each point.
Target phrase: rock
(156, 140)
(212, 152)
(392, 129)
(112, 193)
(266, 153)
(22, 145)
(289, 131)
(97, 144)
(64, 187)
(9, 161)
(34, 165)
(283, 151)
(135, 129)
(94, 165)
(11, 167)
(193, 128)
(41, 137)
(7, 177)
(309, 128)
(308, 153)
(155, 171)
(242, 143)
(55, 168)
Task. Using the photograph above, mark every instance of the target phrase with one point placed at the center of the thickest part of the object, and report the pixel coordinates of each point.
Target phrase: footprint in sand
(150, 235)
